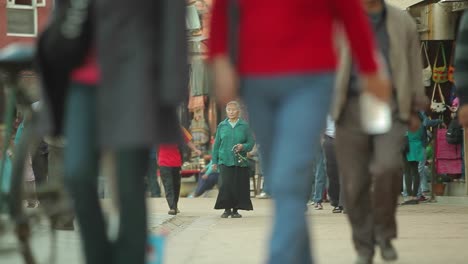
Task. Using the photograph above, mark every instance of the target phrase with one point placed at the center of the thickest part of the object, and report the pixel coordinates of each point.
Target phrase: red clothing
(169, 154)
(294, 36)
(88, 73)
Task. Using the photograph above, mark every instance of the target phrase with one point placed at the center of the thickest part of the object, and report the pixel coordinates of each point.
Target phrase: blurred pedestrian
(170, 163)
(371, 166)
(108, 98)
(286, 77)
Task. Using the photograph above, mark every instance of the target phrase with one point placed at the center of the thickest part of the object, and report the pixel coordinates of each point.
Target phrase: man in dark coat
(141, 51)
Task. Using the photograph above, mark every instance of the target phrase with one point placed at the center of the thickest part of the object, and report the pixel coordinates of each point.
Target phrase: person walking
(369, 165)
(233, 140)
(286, 77)
(103, 97)
(170, 163)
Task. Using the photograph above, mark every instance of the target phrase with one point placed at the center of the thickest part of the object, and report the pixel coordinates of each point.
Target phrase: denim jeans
(206, 185)
(320, 176)
(288, 114)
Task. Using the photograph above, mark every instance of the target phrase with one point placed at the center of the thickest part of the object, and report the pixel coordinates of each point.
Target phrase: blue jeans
(206, 185)
(320, 176)
(288, 114)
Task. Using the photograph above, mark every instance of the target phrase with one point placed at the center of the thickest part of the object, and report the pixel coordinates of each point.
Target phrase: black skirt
(234, 188)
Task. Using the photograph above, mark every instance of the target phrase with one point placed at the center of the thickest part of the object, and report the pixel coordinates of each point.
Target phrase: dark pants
(371, 170)
(152, 178)
(336, 199)
(81, 170)
(412, 179)
(205, 185)
(171, 180)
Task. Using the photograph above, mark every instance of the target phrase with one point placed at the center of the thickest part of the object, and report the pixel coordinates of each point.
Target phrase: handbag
(440, 74)
(426, 72)
(451, 70)
(438, 107)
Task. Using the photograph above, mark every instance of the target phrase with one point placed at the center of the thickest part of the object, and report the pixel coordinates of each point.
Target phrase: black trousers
(336, 197)
(412, 179)
(171, 180)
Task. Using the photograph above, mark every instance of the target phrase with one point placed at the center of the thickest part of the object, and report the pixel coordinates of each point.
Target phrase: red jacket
(294, 36)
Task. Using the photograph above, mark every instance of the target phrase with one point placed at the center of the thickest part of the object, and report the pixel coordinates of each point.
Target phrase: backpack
(454, 135)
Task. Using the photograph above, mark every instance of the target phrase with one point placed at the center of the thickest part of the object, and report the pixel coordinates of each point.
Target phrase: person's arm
(194, 148)
(248, 146)
(432, 122)
(461, 70)
(359, 33)
(218, 30)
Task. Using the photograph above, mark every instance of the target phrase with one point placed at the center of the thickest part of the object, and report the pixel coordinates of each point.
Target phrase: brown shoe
(172, 212)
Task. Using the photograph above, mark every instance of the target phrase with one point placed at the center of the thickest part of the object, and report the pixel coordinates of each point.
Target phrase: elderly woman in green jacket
(233, 141)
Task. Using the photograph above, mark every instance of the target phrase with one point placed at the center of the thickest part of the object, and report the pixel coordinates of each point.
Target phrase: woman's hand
(214, 167)
(198, 152)
(378, 85)
(205, 177)
(239, 148)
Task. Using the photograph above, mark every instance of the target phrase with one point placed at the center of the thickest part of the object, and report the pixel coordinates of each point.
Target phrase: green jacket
(226, 138)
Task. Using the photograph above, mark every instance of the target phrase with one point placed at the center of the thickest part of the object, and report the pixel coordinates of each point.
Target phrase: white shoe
(263, 195)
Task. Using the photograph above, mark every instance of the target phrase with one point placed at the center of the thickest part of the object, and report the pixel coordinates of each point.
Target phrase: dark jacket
(226, 138)
(461, 60)
(141, 49)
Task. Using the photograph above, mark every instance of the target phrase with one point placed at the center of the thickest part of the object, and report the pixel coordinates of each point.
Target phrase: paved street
(429, 233)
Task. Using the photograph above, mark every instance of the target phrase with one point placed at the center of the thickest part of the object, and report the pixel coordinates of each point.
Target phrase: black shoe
(236, 215)
(363, 260)
(387, 251)
(172, 212)
(226, 214)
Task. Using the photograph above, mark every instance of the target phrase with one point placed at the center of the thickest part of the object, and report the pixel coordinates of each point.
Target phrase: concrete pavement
(429, 233)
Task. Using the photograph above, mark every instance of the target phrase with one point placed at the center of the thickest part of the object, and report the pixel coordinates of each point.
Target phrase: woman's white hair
(235, 103)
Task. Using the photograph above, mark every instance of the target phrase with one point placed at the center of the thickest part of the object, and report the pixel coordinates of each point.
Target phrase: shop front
(438, 23)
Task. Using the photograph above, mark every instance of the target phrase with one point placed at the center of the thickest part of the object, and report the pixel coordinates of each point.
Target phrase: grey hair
(234, 103)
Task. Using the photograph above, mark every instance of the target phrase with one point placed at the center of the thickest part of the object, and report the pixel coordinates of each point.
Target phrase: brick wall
(42, 14)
